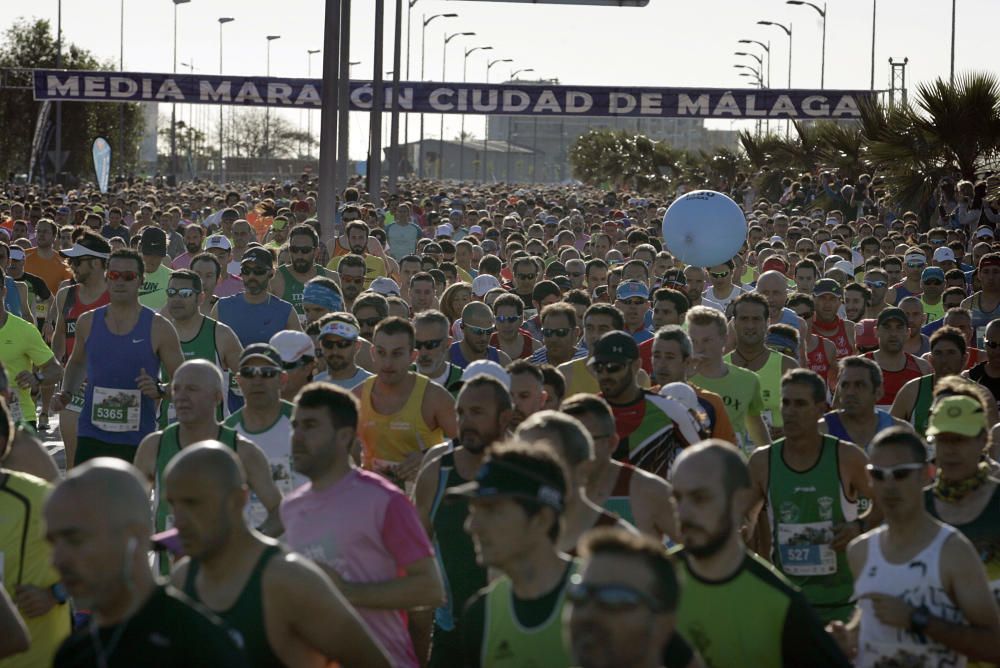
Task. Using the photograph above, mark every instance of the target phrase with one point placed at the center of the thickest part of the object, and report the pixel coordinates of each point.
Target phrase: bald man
(98, 524)
(478, 326)
(197, 388)
(282, 605)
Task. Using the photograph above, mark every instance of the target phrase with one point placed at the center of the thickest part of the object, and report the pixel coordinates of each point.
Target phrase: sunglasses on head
(330, 344)
(479, 331)
(183, 293)
(611, 597)
(548, 332)
(259, 371)
(899, 472)
(508, 318)
(429, 344)
(127, 276)
(253, 271)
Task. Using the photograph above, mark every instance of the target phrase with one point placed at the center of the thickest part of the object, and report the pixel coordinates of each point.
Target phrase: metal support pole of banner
(534, 149)
(58, 161)
(330, 95)
(343, 115)
(222, 143)
(121, 108)
(374, 176)
(510, 125)
(394, 114)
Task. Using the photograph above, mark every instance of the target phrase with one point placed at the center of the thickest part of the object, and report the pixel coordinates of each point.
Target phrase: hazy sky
(668, 43)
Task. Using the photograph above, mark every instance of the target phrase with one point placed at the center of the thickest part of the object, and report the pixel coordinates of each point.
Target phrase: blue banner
(102, 162)
(517, 99)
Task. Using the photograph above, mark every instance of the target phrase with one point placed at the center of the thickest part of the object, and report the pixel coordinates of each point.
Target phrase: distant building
(464, 162)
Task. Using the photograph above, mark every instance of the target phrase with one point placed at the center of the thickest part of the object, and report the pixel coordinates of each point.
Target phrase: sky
(668, 43)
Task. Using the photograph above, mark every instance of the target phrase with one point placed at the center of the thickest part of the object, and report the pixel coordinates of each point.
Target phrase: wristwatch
(59, 593)
(919, 619)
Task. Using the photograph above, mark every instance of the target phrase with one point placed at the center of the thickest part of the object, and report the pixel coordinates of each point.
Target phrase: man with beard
(856, 299)
(985, 304)
(361, 530)
(97, 521)
(339, 340)
(913, 402)
(484, 413)
(695, 278)
(352, 278)
(290, 603)
(194, 235)
(527, 389)
(478, 325)
(432, 343)
(403, 413)
(713, 491)
(256, 315)
(857, 420)
(289, 281)
(201, 337)
(43, 260)
(357, 234)
(898, 367)
(828, 298)
(560, 333)
(987, 373)
(810, 483)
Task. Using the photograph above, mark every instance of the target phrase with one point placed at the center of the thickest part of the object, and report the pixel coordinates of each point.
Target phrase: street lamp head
(766, 23)
(181, 2)
(226, 19)
(273, 37)
(312, 51)
(449, 16)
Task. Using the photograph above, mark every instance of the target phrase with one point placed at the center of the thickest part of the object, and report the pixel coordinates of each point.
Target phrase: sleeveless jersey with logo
(893, 381)
(648, 437)
(770, 388)
(838, 336)
(294, 288)
(817, 360)
(921, 415)
(73, 308)
(388, 439)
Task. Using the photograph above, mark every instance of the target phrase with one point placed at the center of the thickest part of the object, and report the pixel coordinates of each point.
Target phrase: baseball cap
(984, 232)
(153, 242)
(344, 330)
(476, 229)
(258, 255)
(16, 253)
(915, 258)
(629, 289)
(292, 346)
(89, 246)
(261, 351)
(279, 223)
(497, 479)
(957, 414)
(615, 346)
(774, 264)
(218, 241)
(892, 313)
(384, 286)
(484, 283)
(845, 266)
(944, 254)
(444, 230)
(827, 286)
(486, 367)
(932, 272)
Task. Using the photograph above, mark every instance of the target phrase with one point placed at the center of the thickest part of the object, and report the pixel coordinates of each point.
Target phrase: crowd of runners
(495, 426)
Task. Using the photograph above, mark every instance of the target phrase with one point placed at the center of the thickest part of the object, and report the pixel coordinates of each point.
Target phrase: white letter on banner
(169, 89)
(122, 87)
(361, 98)
(847, 106)
(686, 106)
(515, 100)
(223, 93)
(279, 92)
(621, 103)
(578, 102)
(308, 97)
(727, 105)
(94, 87)
(248, 91)
(651, 103)
(784, 106)
(492, 98)
(68, 88)
(463, 100)
(815, 105)
(751, 109)
(405, 100)
(440, 99)
(547, 102)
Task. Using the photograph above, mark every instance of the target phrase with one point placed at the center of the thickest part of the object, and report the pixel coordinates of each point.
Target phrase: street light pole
(394, 109)
(409, 12)
(874, 10)
(788, 31)
(510, 119)
(267, 107)
(444, 70)
(822, 13)
(461, 135)
(173, 107)
(334, 31)
(953, 11)
(342, 116)
(121, 68)
(309, 116)
(486, 119)
(423, 60)
(222, 169)
(374, 171)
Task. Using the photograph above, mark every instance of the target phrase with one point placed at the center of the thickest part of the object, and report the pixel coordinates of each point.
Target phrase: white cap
(489, 368)
(16, 253)
(476, 229)
(775, 238)
(845, 266)
(444, 230)
(484, 283)
(292, 345)
(384, 286)
(944, 254)
(218, 241)
(683, 393)
(827, 247)
(984, 232)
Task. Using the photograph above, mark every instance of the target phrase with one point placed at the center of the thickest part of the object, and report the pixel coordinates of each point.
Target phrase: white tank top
(918, 582)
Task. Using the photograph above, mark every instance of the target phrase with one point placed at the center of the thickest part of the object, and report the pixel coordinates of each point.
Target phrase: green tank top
(294, 287)
(202, 347)
(770, 388)
(246, 615)
(804, 507)
(922, 407)
(509, 644)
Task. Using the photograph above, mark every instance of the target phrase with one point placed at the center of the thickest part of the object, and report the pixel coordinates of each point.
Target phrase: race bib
(805, 548)
(116, 410)
(234, 387)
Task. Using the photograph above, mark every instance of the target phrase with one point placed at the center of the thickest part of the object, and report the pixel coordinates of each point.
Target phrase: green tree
(31, 44)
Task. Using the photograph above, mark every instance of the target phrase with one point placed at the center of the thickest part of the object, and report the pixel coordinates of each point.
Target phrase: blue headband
(320, 295)
(783, 342)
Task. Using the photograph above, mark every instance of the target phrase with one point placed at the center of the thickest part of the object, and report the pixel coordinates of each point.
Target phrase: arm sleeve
(804, 641)
(402, 533)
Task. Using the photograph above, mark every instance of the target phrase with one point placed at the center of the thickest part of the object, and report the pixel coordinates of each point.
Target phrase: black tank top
(978, 374)
(246, 615)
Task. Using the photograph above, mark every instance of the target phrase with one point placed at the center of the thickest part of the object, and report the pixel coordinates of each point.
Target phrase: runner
(320, 296)
(922, 592)
(527, 389)
(402, 412)
(361, 530)
(98, 523)
(724, 580)
(339, 340)
(477, 326)
(632, 299)
(560, 334)
(256, 315)
(20, 450)
(15, 292)
(985, 304)
(898, 367)
(510, 336)
(194, 237)
(598, 319)
(810, 483)
(828, 297)
(153, 246)
(298, 360)
(820, 353)
(913, 401)
(987, 373)
(357, 236)
(43, 260)
(669, 308)
(289, 281)
(280, 604)
(433, 344)
(118, 410)
(223, 283)
(484, 412)
(916, 342)
(859, 388)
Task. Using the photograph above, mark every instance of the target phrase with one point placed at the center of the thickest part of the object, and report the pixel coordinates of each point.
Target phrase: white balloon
(704, 228)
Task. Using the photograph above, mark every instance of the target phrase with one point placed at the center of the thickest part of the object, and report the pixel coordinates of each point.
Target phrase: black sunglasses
(330, 344)
(259, 371)
(430, 344)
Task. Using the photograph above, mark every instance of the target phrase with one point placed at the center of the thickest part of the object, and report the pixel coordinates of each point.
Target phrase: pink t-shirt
(182, 261)
(228, 286)
(368, 531)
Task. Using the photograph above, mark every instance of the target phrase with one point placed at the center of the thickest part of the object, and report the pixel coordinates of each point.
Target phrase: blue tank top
(835, 426)
(114, 410)
(456, 357)
(12, 302)
(254, 323)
